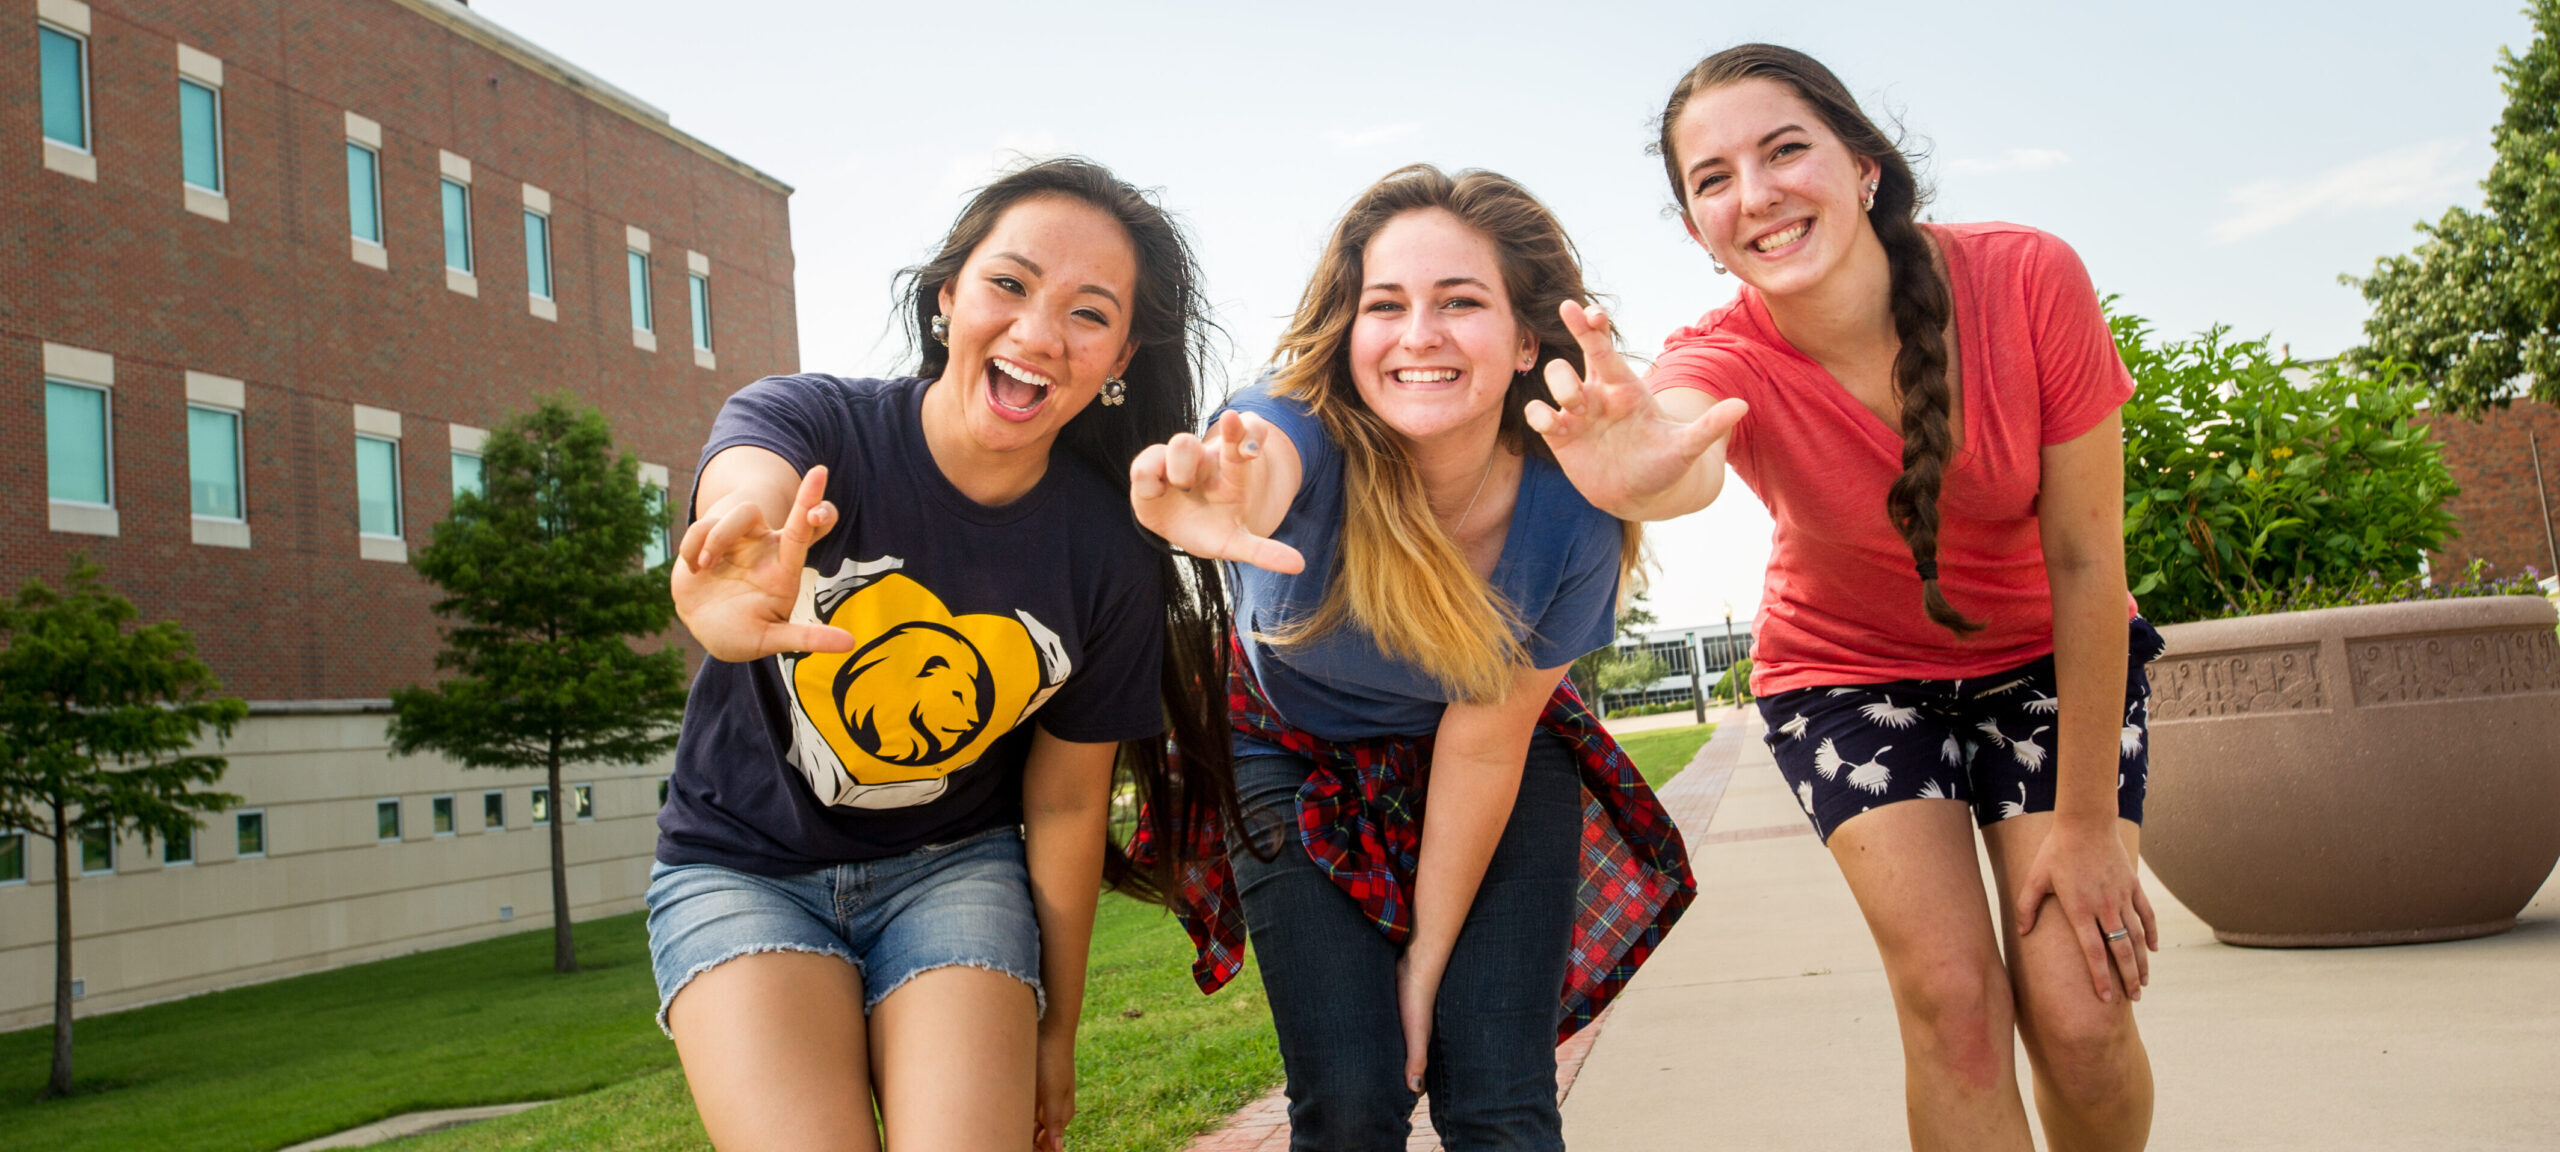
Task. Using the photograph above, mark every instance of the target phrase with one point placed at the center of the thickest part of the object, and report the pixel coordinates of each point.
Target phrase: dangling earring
(1869, 204)
(1115, 392)
(1711, 259)
(941, 329)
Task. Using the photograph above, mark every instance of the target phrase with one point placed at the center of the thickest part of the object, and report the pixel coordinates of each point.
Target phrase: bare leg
(1912, 867)
(954, 1050)
(2092, 1075)
(773, 1048)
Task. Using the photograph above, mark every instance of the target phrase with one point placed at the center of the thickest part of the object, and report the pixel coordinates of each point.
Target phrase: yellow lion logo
(916, 695)
(921, 696)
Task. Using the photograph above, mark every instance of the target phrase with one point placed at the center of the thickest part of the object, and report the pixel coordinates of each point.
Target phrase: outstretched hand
(1199, 492)
(1610, 435)
(737, 579)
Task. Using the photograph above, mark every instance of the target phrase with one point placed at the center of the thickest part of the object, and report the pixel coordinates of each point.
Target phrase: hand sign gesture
(1207, 496)
(1628, 454)
(737, 581)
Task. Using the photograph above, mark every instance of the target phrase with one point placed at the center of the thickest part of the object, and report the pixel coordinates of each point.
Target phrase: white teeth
(1023, 374)
(1781, 239)
(1426, 375)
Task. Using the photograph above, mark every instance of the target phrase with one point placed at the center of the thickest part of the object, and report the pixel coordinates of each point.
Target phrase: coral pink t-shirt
(1842, 601)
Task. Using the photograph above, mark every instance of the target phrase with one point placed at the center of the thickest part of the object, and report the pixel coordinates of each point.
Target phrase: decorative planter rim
(2468, 612)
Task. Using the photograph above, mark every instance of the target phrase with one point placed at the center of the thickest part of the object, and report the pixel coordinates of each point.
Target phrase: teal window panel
(700, 290)
(386, 819)
(364, 192)
(76, 461)
(654, 552)
(253, 833)
(537, 254)
(65, 85)
(377, 486)
(641, 316)
(457, 225)
(213, 462)
(200, 134)
(466, 473)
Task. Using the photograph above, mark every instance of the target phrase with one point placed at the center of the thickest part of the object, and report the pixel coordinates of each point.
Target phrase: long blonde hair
(1398, 575)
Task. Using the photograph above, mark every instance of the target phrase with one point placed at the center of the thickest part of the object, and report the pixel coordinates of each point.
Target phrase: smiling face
(1434, 344)
(1039, 319)
(1766, 187)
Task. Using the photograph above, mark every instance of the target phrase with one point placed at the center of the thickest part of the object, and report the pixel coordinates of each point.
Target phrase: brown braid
(1921, 302)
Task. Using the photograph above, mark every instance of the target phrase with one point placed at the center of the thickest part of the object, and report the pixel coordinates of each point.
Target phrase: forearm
(2089, 654)
(1065, 821)
(1470, 804)
(1697, 488)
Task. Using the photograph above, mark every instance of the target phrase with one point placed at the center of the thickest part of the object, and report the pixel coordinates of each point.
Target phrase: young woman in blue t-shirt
(876, 873)
(1415, 576)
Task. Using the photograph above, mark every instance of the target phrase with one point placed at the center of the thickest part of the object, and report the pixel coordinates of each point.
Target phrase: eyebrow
(1026, 262)
(1774, 133)
(1445, 282)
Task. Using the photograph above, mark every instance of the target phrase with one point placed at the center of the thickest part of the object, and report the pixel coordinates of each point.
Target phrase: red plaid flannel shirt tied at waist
(1360, 820)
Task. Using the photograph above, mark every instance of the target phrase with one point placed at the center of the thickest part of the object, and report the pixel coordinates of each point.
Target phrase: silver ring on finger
(2118, 934)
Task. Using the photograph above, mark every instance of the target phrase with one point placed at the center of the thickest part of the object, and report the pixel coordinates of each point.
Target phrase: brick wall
(273, 298)
(2498, 516)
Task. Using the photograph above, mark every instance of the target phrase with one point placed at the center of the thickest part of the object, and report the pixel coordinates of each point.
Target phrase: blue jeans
(1330, 975)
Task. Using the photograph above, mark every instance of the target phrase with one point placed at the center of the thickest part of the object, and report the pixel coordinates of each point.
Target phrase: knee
(2082, 1056)
(1963, 1016)
(1348, 1105)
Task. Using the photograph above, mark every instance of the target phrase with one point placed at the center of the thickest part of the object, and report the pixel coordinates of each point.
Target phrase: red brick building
(268, 271)
(2499, 516)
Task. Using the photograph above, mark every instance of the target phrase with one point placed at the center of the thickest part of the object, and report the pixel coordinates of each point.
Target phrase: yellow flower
(2281, 453)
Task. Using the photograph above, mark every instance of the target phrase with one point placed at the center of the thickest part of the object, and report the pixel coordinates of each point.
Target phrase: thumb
(1717, 423)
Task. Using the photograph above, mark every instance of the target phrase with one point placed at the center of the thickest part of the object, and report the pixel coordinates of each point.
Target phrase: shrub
(2248, 472)
(2372, 588)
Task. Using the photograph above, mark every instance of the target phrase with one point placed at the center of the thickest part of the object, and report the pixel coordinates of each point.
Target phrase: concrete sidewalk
(1764, 1021)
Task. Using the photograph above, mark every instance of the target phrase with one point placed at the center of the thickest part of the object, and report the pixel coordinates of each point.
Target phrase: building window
(466, 473)
(179, 849)
(97, 850)
(378, 486)
(584, 797)
(700, 288)
(200, 134)
(542, 805)
(493, 810)
(213, 462)
(78, 454)
(643, 319)
(457, 225)
(13, 857)
(364, 193)
(442, 807)
(253, 833)
(65, 85)
(386, 820)
(662, 790)
(653, 551)
(537, 254)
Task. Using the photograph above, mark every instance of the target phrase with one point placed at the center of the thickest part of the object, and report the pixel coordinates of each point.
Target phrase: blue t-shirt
(965, 619)
(1559, 569)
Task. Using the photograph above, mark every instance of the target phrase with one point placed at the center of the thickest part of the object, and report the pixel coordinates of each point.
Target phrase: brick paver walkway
(1691, 798)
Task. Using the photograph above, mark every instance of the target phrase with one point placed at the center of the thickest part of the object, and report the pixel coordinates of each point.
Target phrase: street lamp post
(1728, 651)
(1697, 694)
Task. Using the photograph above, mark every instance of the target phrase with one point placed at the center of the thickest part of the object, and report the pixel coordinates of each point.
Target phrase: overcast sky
(2213, 163)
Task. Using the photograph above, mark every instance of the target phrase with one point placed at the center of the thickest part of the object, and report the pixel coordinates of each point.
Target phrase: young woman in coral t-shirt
(1945, 639)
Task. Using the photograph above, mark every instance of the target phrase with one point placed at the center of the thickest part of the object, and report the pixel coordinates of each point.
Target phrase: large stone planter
(2378, 775)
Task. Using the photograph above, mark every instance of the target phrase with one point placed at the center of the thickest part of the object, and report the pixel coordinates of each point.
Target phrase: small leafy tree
(2247, 470)
(1735, 684)
(2476, 307)
(95, 726)
(1614, 669)
(544, 590)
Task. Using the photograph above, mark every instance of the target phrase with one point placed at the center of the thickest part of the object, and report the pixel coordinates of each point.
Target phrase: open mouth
(1783, 238)
(1016, 392)
(1424, 376)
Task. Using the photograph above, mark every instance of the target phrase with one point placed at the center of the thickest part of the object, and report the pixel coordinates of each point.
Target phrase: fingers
(691, 545)
(1564, 384)
(1262, 552)
(801, 527)
(806, 638)
(1591, 329)
(1146, 479)
(2093, 947)
(1186, 464)
(2127, 956)
(742, 521)
(2150, 921)
(2031, 901)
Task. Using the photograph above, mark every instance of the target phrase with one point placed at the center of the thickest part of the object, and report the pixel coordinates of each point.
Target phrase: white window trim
(266, 835)
(399, 519)
(109, 393)
(453, 811)
(501, 825)
(399, 820)
(239, 464)
(26, 858)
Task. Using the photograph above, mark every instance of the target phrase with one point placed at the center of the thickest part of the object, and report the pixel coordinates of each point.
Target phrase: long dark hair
(1918, 294)
(1168, 319)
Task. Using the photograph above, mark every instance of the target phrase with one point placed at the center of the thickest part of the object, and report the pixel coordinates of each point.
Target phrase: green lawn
(1661, 754)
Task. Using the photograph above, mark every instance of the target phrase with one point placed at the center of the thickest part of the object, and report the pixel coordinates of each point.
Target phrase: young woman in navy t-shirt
(1415, 575)
(933, 632)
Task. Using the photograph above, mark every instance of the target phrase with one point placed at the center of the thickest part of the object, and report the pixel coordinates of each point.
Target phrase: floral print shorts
(1988, 741)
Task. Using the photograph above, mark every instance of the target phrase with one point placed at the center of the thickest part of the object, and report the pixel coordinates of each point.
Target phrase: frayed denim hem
(668, 1001)
(1039, 995)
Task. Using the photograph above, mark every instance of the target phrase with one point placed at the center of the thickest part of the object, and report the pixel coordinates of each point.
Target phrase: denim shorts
(1988, 741)
(965, 903)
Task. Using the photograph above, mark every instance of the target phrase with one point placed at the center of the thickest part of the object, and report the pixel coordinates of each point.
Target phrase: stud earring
(1869, 204)
(1115, 392)
(941, 329)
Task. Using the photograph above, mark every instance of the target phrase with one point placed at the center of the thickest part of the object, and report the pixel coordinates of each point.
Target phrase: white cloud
(1353, 141)
(2423, 175)
(2013, 160)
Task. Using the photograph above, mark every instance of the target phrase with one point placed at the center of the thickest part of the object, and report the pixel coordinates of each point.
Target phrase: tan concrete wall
(327, 892)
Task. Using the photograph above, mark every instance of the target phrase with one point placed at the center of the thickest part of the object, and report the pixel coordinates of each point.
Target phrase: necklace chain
(1489, 462)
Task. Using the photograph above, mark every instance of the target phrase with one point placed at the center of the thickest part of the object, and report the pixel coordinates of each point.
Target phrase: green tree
(95, 727)
(1598, 673)
(543, 592)
(2476, 307)
(2247, 470)
(1735, 684)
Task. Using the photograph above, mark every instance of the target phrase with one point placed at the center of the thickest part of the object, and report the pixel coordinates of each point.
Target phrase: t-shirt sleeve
(789, 416)
(2080, 377)
(1584, 614)
(1116, 695)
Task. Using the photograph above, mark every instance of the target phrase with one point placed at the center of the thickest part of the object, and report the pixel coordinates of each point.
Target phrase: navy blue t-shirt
(965, 619)
(1559, 568)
